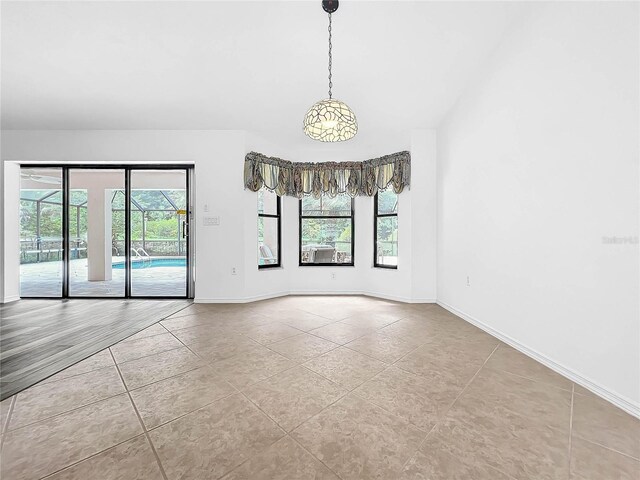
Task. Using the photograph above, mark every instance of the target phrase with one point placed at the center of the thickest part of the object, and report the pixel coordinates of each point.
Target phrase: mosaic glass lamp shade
(330, 120)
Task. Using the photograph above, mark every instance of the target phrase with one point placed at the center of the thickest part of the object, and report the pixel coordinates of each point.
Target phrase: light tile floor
(314, 388)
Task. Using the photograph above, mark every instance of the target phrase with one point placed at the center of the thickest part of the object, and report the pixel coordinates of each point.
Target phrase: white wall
(10, 286)
(537, 163)
(414, 280)
(218, 157)
(214, 153)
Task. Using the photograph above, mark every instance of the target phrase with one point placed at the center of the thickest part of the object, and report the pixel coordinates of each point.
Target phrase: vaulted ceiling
(254, 66)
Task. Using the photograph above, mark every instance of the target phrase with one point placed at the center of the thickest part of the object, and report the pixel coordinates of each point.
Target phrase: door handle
(185, 229)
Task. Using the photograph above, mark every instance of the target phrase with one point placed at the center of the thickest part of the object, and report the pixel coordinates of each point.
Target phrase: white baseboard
(12, 298)
(397, 298)
(313, 292)
(255, 298)
(626, 404)
(325, 292)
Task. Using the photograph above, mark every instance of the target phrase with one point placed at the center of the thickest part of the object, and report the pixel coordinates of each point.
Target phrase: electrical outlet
(468, 281)
(233, 271)
(333, 276)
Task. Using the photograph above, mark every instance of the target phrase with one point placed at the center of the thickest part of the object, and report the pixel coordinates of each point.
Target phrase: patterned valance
(327, 178)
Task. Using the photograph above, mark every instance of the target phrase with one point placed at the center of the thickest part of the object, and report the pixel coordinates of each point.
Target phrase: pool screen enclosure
(89, 231)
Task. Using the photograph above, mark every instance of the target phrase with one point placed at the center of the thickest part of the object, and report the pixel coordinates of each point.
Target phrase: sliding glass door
(103, 232)
(159, 233)
(41, 226)
(94, 229)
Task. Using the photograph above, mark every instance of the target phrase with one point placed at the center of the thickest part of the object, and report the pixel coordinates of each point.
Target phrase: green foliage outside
(387, 226)
(160, 225)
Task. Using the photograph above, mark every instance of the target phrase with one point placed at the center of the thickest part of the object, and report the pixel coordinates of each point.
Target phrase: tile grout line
(389, 412)
(364, 400)
(534, 380)
(372, 331)
(50, 382)
(4, 429)
(67, 411)
(422, 344)
(155, 427)
(267, 346)
(303, 332)
(346, 345)
(207, 364)
(264, 413)
(340, 384)
(237, 390)
(307, 419)
(573, 388)
(162, 379)
(129, 339)
(450, 407)
(313, 456)
(190, 304)
(93, 455)
(210, 364)
(305, 361)
(126, 386)
(144, 429)
(182, 343)
(347, 390)
(92, 403)
(58, 370)
(472, 379)
(265, 448)
(143, 356)
(287, 434)
(636, 459)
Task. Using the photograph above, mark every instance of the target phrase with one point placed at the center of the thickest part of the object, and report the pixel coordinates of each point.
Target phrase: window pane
(387, 241)
(387, 202)
(93, 253)
(158, 247)
(35, 194)
(117, 201)
(117, 228)
(78, 197)
(149, 199)
(340, 206)
(55, 198)
(267, 202)
(267, 241)
(41, 232)
(178, 197)
(326, 240)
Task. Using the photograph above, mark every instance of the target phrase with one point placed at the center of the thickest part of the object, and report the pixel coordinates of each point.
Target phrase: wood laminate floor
(39, 338)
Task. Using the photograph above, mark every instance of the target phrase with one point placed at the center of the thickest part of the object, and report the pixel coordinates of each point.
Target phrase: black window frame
(353, 237)
(376, 216)
(278, 216)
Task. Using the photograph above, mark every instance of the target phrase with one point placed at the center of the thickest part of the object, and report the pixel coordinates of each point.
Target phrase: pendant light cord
(330, 58)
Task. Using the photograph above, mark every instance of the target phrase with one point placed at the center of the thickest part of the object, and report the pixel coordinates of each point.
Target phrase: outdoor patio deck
(45, 279)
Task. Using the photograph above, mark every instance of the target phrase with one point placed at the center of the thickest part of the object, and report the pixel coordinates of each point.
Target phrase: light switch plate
(210, 221)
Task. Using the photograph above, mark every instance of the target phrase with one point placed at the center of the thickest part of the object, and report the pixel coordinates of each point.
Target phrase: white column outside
(99, 233)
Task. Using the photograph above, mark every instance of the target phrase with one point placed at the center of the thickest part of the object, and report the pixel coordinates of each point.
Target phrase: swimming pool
(153, 262)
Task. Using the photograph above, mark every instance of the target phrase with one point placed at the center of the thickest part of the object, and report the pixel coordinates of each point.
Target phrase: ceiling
(254, 66)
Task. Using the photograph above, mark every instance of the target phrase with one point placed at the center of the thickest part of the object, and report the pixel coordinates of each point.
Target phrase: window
(326, 231)
(385, 230)
(268, 229)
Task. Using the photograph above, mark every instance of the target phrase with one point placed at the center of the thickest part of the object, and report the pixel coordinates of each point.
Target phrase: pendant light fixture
(330, 120)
